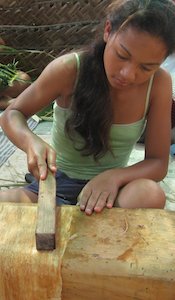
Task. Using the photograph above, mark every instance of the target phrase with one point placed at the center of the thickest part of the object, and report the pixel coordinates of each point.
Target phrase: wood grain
(116, 254)
(25, 273)
(120, 254)
(46, 214)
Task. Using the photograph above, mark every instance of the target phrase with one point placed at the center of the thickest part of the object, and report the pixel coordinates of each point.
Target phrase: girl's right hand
(40, 156)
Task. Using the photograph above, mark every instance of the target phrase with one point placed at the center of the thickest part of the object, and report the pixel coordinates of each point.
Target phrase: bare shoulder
(161, 92)
(158, 131)
(65, 65)
(58, 78)
(162, 84)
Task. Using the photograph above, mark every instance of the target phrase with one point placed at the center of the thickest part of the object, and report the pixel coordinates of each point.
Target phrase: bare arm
(57, 77)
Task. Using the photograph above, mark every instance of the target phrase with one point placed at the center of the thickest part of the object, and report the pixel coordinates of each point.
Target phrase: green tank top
(73, 164)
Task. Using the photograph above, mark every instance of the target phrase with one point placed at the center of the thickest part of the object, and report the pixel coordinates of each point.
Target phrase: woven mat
(52, 26)
(7, 148)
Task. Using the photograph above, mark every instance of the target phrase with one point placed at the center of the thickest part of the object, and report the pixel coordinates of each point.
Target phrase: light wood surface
(25, 273)
(118, 254)
(46, 214)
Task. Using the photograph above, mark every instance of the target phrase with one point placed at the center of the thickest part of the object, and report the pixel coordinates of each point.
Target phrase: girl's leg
(66, 192)
(141, 193)
(18, 195)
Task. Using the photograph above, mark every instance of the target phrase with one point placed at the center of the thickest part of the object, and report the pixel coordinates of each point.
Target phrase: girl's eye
(121, 56)
(144, 68)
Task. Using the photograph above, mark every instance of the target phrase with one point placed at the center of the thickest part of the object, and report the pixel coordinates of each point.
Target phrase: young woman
(104, 95)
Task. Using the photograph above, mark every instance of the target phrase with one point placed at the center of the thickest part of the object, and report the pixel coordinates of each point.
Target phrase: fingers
(96, 201)
(101, 202)
(43, 157)
(51, 160)
(42, 169)
(47, 161)
(38, 168)
(84, 200)
(110, 201)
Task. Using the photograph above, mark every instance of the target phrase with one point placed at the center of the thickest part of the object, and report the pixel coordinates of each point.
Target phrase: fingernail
(109, 205)
(88, 211)
(97, 209)
(53, 168)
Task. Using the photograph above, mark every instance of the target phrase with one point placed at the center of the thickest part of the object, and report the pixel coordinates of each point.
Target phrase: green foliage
(9, 72)
(13, 65)
(4, 50)
(7, 76)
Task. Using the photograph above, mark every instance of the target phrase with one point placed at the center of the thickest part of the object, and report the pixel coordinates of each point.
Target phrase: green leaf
(9, 50)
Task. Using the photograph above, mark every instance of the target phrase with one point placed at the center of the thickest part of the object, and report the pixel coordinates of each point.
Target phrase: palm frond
(9, 72)
(8, 50)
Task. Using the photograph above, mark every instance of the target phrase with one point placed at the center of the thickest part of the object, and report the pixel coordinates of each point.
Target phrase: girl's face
(131, 57)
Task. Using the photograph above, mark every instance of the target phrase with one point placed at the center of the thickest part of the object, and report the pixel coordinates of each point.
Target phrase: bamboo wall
(53, 26)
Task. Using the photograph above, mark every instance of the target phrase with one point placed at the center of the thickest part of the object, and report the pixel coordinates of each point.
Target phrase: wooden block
(120, 254)
(46, 214)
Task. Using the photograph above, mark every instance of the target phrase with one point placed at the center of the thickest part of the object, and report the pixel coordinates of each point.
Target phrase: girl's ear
(107, 31)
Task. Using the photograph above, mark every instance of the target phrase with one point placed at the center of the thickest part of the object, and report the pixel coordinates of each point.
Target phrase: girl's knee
(142, 193)
(156, 194)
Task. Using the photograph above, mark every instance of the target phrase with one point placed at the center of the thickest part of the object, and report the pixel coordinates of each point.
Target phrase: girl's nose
(128, 73)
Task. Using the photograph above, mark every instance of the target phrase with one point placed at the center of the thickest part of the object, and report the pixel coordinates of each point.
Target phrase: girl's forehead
(134, 33)
(135, 42)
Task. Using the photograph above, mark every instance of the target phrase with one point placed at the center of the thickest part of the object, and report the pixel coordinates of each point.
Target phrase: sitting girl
(104, 95)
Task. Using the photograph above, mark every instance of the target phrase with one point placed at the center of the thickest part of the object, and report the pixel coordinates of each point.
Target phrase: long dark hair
(92, 111)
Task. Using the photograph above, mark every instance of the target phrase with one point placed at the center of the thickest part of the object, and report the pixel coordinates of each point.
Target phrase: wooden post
(46, 214)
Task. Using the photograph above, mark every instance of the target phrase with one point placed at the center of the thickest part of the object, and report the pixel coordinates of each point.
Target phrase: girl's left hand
(99, 192)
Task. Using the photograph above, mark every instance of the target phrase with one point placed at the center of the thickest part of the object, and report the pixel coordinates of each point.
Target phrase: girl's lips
(120, 82)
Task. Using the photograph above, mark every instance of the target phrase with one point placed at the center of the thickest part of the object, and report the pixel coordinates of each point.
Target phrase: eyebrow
(149, 64)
